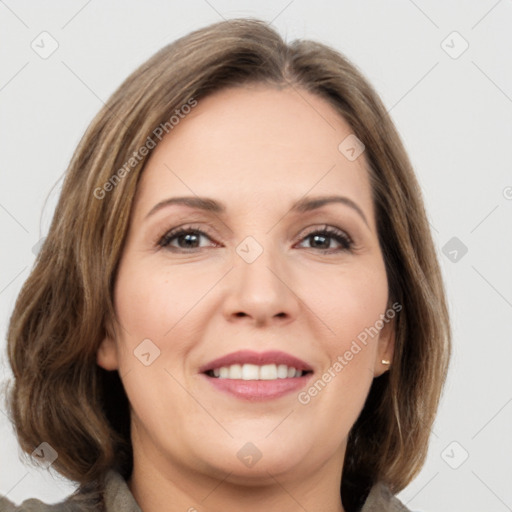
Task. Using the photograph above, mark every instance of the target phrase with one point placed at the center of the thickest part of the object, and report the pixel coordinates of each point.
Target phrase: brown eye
(322, 239)
(187, 238)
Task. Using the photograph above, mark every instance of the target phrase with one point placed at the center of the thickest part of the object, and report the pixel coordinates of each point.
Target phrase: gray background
(453, 110)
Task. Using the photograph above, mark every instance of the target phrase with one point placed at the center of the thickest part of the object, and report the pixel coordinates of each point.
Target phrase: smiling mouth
(256, 372)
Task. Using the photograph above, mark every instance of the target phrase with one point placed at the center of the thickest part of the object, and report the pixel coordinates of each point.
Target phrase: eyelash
(328, 231)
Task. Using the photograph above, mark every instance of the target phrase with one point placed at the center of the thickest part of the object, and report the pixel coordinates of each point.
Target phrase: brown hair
(60, 395)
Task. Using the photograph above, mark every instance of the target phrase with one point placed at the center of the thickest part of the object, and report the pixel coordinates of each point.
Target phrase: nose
(262, 292)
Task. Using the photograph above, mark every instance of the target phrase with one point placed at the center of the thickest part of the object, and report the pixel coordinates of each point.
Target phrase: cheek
(162, 304)
(153, 304)
(151, 300)
(349, 301)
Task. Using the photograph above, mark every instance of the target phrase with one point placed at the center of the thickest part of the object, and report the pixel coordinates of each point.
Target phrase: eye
(321, 239)
(183, 238)
(188, 238)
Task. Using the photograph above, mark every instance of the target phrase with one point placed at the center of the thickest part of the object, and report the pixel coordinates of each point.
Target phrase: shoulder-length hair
(60, 395)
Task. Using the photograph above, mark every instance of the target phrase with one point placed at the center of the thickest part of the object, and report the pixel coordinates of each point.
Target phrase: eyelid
(347, 243)
(328, 229)
(171, 232)
(343, 239)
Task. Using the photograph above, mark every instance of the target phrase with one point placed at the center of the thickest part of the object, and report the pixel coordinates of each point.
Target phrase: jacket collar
(118, 497)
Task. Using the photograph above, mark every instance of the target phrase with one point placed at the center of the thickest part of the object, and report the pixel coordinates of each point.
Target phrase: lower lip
(256, 390)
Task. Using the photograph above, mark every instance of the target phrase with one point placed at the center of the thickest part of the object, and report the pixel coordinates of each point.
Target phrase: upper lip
(259, 358)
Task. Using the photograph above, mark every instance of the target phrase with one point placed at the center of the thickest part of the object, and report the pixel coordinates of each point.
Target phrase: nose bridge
(259, 284)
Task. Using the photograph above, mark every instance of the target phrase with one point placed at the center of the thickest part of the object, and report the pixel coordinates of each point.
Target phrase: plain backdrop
(443, 70)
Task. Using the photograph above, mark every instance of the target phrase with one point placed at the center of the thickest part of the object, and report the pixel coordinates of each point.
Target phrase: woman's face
(250, 272)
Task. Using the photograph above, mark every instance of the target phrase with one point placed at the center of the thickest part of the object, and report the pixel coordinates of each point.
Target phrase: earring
(385, 361)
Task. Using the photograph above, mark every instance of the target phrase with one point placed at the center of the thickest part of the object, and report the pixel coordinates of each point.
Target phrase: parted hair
(60, 395)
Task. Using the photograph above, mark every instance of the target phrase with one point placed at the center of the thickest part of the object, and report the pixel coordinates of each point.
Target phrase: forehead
(256, 145)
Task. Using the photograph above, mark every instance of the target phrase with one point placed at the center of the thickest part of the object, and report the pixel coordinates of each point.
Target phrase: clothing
(118, 498)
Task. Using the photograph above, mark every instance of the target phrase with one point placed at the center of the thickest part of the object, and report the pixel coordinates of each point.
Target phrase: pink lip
(260, 358)
(258, 390)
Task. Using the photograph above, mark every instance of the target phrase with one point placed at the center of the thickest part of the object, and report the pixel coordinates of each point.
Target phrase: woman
(238, 305)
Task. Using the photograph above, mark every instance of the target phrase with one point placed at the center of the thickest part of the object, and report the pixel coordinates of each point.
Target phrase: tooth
(235, 371)
(282, 371)
(255, 372)
(250, 372)
(268, 372)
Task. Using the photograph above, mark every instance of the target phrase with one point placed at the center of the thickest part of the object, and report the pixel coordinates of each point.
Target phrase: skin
(256, 149)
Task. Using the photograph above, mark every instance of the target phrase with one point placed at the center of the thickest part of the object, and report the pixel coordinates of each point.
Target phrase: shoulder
(381, 499)
(114, 497)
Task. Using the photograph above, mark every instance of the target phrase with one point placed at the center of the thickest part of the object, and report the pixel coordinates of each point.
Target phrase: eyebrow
(301, 206)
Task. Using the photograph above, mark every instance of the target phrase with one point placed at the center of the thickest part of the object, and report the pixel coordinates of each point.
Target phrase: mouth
(256, 376)
(255, 372)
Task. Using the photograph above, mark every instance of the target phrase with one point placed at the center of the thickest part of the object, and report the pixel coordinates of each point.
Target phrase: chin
(257, 459)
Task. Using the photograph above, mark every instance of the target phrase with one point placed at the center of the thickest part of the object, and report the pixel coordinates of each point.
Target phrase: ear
(106, 357)
(385, 349)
